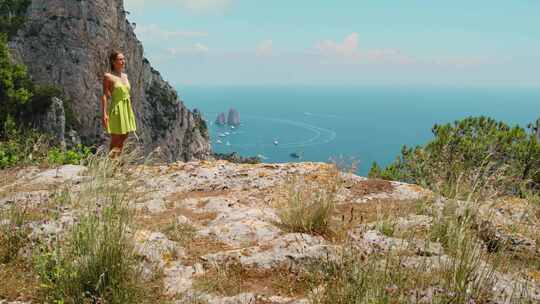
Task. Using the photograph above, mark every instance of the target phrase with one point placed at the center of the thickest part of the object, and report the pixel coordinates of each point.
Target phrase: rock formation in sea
(67, 44)
(220, 120)
(233, 119)
(537, 129)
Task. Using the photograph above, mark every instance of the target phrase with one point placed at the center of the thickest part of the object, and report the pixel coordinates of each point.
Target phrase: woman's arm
(104, 99)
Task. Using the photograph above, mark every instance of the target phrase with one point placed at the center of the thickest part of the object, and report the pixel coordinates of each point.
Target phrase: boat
(219, 141)
(228, 143)
(222, 134)
(295, 155)
(276, 142)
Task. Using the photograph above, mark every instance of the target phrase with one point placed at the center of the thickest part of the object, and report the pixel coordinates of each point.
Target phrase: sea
(347, 124)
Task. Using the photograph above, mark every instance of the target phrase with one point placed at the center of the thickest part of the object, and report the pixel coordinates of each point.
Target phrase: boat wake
(319, 136)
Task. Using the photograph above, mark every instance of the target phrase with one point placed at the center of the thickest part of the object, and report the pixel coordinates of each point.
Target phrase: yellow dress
(121, 117)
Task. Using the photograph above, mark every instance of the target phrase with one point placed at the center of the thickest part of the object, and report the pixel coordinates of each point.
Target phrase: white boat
(222, 135)
(219, 141)
(228, 143)
(232, 127)
(261, 156)
(227, 133)
(276, 142)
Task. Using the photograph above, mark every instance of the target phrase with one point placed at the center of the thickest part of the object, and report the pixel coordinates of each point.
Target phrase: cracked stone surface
(229, 211)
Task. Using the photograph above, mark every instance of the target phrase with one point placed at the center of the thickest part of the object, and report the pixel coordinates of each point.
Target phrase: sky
(341, 42)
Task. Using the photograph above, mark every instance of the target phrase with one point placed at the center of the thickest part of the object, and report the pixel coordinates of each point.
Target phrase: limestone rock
(178, 278)
(60, 174)
(538, 129)
(156, 248)
(220, 120)
(233, 118)
(293, 249)
(236, 225)
(53, 121)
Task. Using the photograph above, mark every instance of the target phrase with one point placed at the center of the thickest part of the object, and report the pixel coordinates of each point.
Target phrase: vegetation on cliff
(12, 15)
(21, 101)
(476, 153)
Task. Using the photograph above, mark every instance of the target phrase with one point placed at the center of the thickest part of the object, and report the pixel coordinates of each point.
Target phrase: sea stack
(538, 129)
(234, 118)
(220, 120)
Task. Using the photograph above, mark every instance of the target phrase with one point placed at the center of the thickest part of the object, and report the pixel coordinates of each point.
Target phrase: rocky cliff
(67, 44)
(216, 231)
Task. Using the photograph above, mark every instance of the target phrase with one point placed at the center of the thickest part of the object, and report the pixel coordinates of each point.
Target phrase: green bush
(56, 156)
(21, 99)
(15, 86)
(474, 155)
(12, 15)
(28, 147)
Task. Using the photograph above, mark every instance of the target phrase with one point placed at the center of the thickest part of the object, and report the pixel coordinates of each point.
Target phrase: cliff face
(67, 43)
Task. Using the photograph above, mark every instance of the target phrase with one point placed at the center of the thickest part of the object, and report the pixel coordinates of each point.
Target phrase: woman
(118, 117)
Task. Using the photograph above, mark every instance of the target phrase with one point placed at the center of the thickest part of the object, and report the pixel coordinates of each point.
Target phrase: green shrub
(12, 15)
(41, 99)
(56, 156)
(15, 86)
(22, 147)
(22, 100)
(28, 147)
(475, 155)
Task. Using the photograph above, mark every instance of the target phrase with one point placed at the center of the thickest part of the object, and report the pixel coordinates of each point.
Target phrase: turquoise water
(362, 123)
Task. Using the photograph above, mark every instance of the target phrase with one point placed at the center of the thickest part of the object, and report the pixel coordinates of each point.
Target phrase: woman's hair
(112, 58)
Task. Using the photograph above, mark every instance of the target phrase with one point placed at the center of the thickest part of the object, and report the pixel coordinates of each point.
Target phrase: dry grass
(161, 221)
(233, 278)
(309, 202)
(19, 281)
(180, 196)
(200, 246)
(96, 260)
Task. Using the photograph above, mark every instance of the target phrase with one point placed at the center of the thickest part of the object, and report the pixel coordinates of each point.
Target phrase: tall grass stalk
(96, 261)
(309, 204)
(13, 232)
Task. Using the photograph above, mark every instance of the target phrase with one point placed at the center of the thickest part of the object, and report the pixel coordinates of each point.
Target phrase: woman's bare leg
(121, 140)
(116, 145)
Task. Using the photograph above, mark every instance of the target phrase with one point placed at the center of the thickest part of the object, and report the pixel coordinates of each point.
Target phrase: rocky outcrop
(220, 120)
(211, 221)
(538, 130)
(53, 121)
(233, 119)
(67, 44)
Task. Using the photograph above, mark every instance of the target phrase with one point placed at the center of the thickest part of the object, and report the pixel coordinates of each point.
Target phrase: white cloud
(265, 48)
(205, 5)
(154, 32)
(348, 47)
(195, 49)
(195, 6)
(201, 48)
